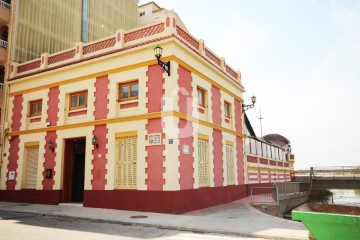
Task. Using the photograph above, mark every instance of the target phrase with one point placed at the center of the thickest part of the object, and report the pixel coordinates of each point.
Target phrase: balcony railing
(3, 43)
(5, 5)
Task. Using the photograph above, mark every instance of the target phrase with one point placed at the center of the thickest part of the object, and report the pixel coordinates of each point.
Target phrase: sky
(300, 58)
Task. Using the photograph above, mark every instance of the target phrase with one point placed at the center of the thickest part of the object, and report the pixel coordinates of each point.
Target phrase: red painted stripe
(99, 161)
(238, 116)
(13, 162)
(128, 105)
(218, 158)
(101, 97)
(78, 113)
(240, 160)
(216, 105)
(186, 161)
(33, 120)
(155, 157)
(53, 106)
(49, 163)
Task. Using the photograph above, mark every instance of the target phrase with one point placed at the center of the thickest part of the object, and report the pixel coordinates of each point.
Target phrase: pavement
(237, 218)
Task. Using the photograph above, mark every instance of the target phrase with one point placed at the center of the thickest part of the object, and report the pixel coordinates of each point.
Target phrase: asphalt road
(24, 226)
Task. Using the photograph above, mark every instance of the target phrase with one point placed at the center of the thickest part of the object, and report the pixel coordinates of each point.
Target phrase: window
(30, 167)
(201, 97)
(35, 108)
(142, 14)
(203, 161)
(227, 109)
(126, 159)
(128, 91)
(78, 100)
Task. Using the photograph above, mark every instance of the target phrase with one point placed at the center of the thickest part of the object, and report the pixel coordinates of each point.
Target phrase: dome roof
(277, 139)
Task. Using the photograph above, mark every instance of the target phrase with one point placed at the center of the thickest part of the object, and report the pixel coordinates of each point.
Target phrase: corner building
(102, 123)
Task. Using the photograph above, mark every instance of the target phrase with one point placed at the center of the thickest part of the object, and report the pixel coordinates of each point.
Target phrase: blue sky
(301, 58)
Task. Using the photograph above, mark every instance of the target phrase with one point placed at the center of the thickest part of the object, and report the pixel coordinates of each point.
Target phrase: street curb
(187, 229)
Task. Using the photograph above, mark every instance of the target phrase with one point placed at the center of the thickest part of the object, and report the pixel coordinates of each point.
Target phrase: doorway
(74, 170)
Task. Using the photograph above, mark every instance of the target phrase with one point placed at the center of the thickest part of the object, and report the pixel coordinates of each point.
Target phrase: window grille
(126, 159)
(203, 161)
(31, 166)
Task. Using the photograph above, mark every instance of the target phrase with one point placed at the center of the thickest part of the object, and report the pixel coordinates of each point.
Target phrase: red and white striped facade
(160, 151)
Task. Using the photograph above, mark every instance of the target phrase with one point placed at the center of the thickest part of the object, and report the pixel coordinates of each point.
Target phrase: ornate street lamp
(246, 107)
(164, 65)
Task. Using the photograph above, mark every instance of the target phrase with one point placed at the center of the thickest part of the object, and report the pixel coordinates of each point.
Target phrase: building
(29, 28)
(151, 12)
(268, 158)
(102, 123)
(41, 26)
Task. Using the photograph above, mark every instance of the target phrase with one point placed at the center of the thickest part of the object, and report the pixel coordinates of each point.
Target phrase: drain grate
(139, 216)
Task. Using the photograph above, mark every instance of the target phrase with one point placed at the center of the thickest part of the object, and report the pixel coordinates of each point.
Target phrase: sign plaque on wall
(154, 139)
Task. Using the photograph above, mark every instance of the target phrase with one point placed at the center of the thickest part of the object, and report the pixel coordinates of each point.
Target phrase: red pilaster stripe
(13, 162)
(240, 160)
(155, 156)
(15, 141)
(218, 158)
(186, 168)
(216, 105)
(16, 117)
(238, 116)
(99, 161)
(53, 106)
(101, 97)
(49, 160)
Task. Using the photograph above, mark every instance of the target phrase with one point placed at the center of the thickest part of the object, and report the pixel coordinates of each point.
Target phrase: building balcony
(3, 51)
(4, 13)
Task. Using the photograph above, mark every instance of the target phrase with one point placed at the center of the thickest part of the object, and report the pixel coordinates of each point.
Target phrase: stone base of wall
(163, 201)
(51, 197)
(135, 200)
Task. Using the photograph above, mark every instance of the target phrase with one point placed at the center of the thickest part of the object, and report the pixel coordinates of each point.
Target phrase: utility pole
(260, 119)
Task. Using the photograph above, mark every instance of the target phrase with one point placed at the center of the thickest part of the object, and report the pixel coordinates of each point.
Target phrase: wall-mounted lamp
(51, 145)
(246, 107)
(94, 141)
(164, 65)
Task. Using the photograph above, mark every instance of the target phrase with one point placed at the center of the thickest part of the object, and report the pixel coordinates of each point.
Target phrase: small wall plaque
(171, 141)
(11, 175)
(154, 139)
(185, 149)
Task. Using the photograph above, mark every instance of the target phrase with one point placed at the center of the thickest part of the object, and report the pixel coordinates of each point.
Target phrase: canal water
(346, 197)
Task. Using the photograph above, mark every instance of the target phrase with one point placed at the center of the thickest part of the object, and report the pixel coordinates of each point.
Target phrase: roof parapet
(123, 40)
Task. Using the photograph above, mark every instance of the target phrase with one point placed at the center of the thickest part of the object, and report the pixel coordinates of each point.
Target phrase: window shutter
(31, 165)
(126, 159)
(203, 163)
(230, 164)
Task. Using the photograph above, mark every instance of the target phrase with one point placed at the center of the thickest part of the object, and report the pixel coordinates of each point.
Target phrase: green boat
(329, 222)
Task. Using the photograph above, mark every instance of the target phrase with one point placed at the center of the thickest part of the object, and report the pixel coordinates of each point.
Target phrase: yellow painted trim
(208, 124)
(203, 137)
(230, 143)
(128, 119)
(126, 134)
(206, 78)
(82, 78)
(32, 144)
(126, 68)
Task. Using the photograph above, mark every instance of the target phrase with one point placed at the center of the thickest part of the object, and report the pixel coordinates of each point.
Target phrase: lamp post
(248, 106)
(164, 65)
